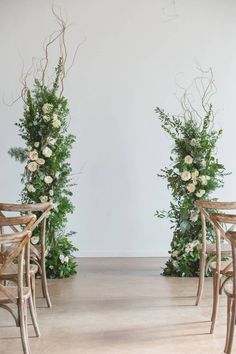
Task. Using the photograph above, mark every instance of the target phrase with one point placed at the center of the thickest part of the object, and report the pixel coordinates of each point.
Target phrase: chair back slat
(216, 219)
(23, 208)
(26, 210)
(207, 204)
(27, 220)
(18, 240)
(231, 237)
(211, 211)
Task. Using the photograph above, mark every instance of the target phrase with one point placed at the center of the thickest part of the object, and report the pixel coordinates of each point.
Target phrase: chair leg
(22, 308)
(229, 306)
(216, 290)
(231, 328)
(201, 278)
(44, 284)
(33, 291)
(34, 316)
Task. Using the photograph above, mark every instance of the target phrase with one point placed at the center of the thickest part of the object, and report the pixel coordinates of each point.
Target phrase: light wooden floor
(119, 306)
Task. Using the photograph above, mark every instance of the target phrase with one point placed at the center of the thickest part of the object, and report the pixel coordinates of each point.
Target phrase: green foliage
(194, 173)
(19, 154)
(62, 250)
(46, 175)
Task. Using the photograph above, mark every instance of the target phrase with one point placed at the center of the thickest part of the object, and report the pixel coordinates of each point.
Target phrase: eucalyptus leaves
(194, 173)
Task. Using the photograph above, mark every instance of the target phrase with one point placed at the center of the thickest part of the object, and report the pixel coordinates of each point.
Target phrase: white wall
(132, 52)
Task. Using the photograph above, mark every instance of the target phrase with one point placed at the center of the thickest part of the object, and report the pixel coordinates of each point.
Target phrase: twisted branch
(205, 87)
(39, 66)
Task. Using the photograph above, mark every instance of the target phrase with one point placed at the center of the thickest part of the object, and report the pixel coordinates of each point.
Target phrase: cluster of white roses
(64, 259)
(35, 160)
(47, 108)
(194, 176)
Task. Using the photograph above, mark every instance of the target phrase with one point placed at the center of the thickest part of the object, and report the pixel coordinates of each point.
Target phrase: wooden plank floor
(121, 306)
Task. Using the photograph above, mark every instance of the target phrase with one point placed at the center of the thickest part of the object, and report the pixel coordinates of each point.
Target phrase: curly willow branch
(204, 85)
(39, 66)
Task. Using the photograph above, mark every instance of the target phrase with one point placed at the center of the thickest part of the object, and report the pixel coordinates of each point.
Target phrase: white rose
(47, 107)
(203, 163)
(29, 148)
(195, 174)
(188, 159)
(30, 188)
(62, 258)
(48, 179)
(200, 193)
(185, 175)
(175, 253)
(32, 166)
(194, 216)
(47, 152)
(191, 187)
(51, 193)
(36, 144)
(43, 199)
(41, 161)
(193, 142)
(34, 240)
(203, 180)
(33, 155)
(56, 123)
(66, 259)
(189, 247)
(46, 118)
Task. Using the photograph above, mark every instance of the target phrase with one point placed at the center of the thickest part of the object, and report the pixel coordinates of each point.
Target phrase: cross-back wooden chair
(10, 273)
(40, 251)
(229, 220)
(221, 270)
(17, 245)
(230, 290)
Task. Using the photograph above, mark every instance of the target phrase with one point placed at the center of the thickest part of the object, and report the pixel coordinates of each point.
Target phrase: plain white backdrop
(131, 54)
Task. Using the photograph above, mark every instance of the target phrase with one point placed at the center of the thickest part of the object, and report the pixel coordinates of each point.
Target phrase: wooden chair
(11, 272)
(230, 286)
(18, 248)
(38, 252)
(217, 250)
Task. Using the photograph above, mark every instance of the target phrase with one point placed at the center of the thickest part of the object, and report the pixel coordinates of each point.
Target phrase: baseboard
(121, 254)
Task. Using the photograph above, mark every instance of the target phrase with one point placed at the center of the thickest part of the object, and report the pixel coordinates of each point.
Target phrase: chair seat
(13, 290)
(12, 269)
(224, 264)
(211, 248)
(228, 288)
